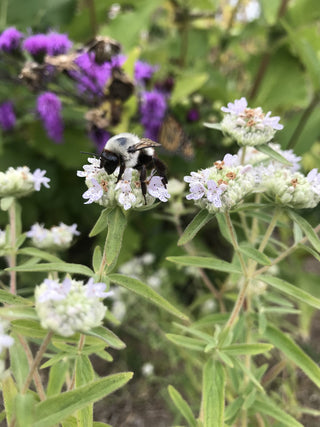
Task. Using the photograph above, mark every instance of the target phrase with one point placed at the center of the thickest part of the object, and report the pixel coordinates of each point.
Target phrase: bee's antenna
(92, 154)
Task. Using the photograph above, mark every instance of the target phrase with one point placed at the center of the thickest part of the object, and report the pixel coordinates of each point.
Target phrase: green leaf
(107, 336)
(213, 389)
(146, 292)
(18, 362)
(266, 149)
(56, 266)
(223, 227)
(216, 126)
(8, 298)
(116, 225)
(306, 228)
(186, 342)
(182, 406)
(199, 221)
(186, 84)
(293, 352)
(291, 290)
(57, 408)
(265, 405)
(311, 251)
(237, 349)
(6, 203)
(132, 57)
(84, 375)
(254, 254)
(9, 392)
(38, 253)
(57, 377)
(19, 312)
(205, 262)
(97, 258)
(101, 223)
(24, 409)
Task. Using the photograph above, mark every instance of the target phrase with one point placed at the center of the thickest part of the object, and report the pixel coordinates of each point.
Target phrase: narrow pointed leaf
(97, 258)
(293, 352)
(116, 225)
(56, 266)
(182, 406)
(8, 298)
(24, 409)
(213, 391)
(53, 410)
(84, 375)
(18, 362)
(238, 349)
(223, 227)
(101, 223)
(267, 406)
(38, 253)
(146, 292)
(216, 126)
(306, 228)
(254, 254)
(187, 342)
(291, 290)
(56, 378)
(9, 393)
(266, 149)
(107, 336)
(205, 262)
(199, 221)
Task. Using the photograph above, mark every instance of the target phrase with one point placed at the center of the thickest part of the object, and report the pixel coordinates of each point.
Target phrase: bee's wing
(144, 143)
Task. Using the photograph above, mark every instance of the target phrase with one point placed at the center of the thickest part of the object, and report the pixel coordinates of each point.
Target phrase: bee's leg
(161, 169)
(122, 169)
(143, 177)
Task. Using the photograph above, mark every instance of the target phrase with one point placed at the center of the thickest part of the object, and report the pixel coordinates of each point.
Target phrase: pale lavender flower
(54, 291)
(37, 232)
(39, 178)
(10, 39)
(5, 340)
(126, 197)
(157, 189)
(197, 190)
(273, 122)
(94, 193)
(89, 171)
(237, 107)
(57, 44)
(214, 192)
(314, 179)
(96, 290)
(7, 116)
(231, 160)
(49, 108)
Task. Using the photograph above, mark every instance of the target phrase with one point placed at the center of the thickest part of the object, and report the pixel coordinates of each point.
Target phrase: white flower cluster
(70, 306)
(292, 189)
(222, 186)
(58, 237)
(20, 181)
(5, 340)
(2, 239)
(249, 126)
(104, 189)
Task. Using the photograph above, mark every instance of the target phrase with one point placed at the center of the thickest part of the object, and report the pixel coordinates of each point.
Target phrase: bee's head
(109, 161)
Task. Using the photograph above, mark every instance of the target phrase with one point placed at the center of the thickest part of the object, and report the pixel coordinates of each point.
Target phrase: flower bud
(20, 182)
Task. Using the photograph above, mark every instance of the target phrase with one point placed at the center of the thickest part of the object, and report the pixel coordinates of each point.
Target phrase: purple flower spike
(58, 44)
(7, 116)
(143, 71)
(152, 109)
(36, 45)
(10, 39)
(49, 108)
(99, 137)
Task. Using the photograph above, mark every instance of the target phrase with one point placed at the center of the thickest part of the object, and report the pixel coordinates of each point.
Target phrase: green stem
(235, 243)
(13, 256)
(269, 231)
(92, 17)
(37, 361)
(3, 14)
(81, 343)
(303, 121)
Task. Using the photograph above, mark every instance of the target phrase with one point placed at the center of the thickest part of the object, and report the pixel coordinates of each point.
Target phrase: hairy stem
(80, 347)
(13, 256)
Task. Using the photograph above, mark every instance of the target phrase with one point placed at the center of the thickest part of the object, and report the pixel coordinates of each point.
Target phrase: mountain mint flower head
(292, 189)
(104, 189)
(7, 116)
(70, 306)
(20, 182)
(10, 39)
(222, 186)
(49, 108)
(56, 238)
(249, 126)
